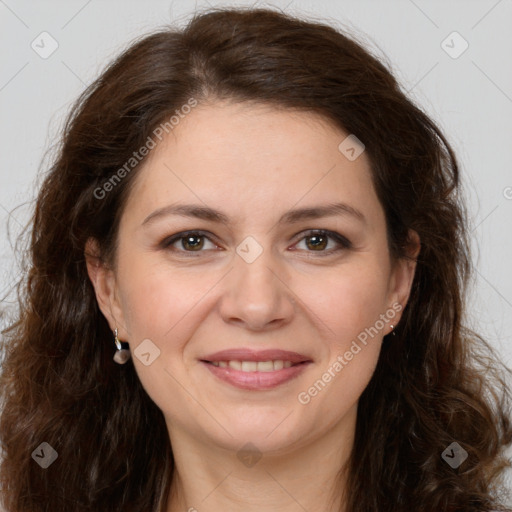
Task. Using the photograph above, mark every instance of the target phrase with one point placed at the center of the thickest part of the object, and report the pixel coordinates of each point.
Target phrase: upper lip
(243, 354)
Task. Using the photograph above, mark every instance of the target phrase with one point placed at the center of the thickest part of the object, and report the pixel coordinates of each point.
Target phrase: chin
(265, 435)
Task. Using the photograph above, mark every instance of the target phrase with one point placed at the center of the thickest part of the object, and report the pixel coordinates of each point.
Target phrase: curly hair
(436, 383)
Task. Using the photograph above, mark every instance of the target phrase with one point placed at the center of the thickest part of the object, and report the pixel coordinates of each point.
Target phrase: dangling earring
(123, 350)
(392, 330)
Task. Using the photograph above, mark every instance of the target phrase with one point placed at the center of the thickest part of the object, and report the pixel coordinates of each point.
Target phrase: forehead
(249, 158)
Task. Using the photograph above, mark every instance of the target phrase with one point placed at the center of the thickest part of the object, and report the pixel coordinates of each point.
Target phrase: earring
(392, 330)
(123, 350)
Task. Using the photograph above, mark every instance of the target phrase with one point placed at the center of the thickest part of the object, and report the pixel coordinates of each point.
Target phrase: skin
(254, 163)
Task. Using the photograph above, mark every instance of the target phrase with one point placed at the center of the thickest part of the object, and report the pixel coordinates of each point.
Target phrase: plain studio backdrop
(452, 56)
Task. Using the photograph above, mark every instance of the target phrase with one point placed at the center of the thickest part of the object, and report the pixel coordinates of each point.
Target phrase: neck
(307, 477)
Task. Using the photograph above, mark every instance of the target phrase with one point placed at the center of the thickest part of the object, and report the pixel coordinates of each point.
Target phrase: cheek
(159, 306)
(350, 304)
(153, 298)
(352, 309)
(349, 300)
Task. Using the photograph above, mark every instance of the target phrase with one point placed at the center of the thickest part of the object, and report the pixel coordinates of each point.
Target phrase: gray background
(469, 96)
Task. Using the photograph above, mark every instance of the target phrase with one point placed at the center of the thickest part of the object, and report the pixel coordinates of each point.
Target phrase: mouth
(246, 369)
(254, 366)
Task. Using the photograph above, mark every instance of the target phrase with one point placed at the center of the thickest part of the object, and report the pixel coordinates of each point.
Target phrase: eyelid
(344, 242)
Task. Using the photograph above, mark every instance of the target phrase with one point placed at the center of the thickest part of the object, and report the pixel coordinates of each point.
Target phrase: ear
(104, 282)
(402, 274)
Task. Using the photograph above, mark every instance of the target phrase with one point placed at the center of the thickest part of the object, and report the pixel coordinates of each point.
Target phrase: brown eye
(318, 241)
(194, 242)
(190, 242)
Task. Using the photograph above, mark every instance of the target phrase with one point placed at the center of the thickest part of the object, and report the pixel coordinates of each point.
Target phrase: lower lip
(256, 380)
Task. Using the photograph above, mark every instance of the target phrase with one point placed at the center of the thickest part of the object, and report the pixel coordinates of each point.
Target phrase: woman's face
(252, 183)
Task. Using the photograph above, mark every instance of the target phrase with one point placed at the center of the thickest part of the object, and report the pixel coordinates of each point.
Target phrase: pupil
(318, 244)
(189, 241)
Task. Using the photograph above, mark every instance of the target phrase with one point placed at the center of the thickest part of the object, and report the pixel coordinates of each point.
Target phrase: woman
(247, 281)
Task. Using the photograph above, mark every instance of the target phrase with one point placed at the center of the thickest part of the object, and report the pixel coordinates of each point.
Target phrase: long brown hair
(435, 383)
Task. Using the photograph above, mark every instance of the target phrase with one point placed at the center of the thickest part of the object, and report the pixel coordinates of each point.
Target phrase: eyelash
(341, 240)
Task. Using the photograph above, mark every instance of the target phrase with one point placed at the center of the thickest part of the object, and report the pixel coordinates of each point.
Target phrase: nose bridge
(256, 294)
(255, 270)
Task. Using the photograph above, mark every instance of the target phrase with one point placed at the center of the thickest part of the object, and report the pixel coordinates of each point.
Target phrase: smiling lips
(254, 366)
(256, 370)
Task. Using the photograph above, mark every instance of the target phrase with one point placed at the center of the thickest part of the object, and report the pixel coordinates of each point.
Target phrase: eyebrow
(290, 217)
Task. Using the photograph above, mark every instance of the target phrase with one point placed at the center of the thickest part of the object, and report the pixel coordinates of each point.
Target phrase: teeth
(278, 365)
(266, 366)
(236, 365)
(249, 366)
(254, 366)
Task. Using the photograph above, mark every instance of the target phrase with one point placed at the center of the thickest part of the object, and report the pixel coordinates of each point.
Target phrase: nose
(257, 295)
